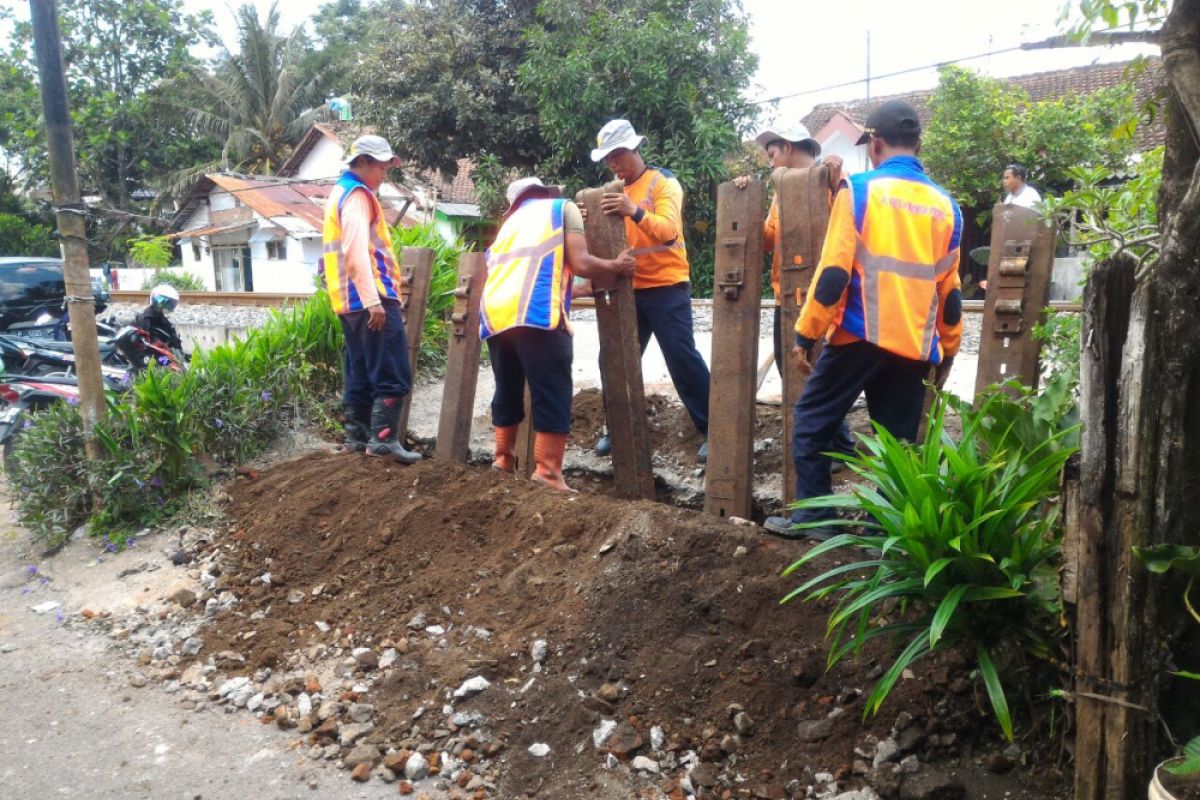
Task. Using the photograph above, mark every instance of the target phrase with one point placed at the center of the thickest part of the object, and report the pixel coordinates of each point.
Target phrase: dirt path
(75, 725)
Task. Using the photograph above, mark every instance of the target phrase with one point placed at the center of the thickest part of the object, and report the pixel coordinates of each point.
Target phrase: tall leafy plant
(961, 535)
(441, 288)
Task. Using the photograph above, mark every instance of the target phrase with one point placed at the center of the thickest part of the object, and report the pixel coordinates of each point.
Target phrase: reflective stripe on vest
(528, 282)
(907, 241)
(342, 293)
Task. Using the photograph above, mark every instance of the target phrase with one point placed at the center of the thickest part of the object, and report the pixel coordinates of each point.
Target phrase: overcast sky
(805, 47)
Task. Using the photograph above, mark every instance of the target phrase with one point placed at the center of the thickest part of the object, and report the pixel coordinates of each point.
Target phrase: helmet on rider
(165, 297)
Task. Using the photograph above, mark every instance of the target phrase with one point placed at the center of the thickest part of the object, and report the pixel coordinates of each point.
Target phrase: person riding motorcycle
(153, 319)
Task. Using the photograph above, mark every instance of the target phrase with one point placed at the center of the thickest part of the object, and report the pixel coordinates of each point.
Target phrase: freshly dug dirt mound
(652, 615)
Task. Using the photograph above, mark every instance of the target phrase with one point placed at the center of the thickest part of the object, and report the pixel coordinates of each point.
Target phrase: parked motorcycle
(20, 396)
(46, 357)
(139, 350)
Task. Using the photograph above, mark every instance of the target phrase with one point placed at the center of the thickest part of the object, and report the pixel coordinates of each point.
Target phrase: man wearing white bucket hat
(363, 278)
(523, 318)
(792, 148)
(652, 205)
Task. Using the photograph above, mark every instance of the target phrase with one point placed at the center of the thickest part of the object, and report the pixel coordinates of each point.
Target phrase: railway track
(268, 299)
(280, 299)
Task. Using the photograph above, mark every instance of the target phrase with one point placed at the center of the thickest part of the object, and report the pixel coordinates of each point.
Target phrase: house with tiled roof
(838, 125)
(449, 201)
(264, 233)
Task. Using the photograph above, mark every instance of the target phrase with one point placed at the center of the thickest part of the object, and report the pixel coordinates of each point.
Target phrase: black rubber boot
(357, 426)
(385, 438)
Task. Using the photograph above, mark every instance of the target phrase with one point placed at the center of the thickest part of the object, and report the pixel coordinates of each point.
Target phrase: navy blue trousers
(844, 442)
(543, 359)
(375, 363)
(895, 389)
(665, 312)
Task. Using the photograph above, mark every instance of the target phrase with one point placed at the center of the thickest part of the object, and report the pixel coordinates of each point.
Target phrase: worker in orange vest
(652, 205)
(887, 298)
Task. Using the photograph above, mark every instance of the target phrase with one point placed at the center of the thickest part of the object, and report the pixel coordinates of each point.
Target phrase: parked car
(33, 287)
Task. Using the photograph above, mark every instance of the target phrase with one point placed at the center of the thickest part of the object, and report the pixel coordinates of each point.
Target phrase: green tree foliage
(24, 231)
(981, 124)
(674, 68)
(440, 82)
(116, 53)
(257, 101)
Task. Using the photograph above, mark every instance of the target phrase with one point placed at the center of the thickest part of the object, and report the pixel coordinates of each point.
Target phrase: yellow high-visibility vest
(528, 282)
(342, 293)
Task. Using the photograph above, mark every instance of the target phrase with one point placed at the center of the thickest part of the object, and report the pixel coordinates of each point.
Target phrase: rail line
(280, 299)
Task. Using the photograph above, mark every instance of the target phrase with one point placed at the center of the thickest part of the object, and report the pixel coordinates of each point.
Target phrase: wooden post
(70, 214)
(416, 267)
(620, 354)
(803, 198)
(1102, 567)
(1019, 269)
(737, 293)
(462, 362)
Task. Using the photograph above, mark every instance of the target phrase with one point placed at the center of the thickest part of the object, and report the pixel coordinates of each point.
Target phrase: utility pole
(70, 213)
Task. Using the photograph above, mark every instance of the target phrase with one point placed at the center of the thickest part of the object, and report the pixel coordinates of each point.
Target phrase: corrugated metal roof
(210, 230)
(273, 199)
(459, 209)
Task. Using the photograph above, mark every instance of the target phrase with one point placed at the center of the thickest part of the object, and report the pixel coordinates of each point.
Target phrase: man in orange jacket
(886, 295)
(652, 205)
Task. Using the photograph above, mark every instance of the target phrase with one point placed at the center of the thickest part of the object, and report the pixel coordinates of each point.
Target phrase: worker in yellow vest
(363, 278)
(652, 205)
(523, 318)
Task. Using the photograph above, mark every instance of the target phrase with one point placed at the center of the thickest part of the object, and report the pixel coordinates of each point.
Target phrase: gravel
(185, 314)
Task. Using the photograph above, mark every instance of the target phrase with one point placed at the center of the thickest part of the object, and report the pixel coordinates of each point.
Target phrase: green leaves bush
(436, 333)
(958, 549)
(229, 406)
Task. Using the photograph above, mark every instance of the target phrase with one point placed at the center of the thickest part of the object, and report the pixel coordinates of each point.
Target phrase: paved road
(73, 727)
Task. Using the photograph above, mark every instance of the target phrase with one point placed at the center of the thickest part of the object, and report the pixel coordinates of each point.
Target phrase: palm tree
(258, 101)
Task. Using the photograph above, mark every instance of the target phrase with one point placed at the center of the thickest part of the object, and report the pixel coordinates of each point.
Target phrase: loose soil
(678, 610)
(674, 438)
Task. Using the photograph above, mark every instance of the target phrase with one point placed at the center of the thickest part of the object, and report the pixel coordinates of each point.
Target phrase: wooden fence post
(416, 266)
(462, 362)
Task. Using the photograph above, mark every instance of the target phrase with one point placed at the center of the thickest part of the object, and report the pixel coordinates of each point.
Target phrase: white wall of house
(323, 161)
(292, 274)
(854, 157)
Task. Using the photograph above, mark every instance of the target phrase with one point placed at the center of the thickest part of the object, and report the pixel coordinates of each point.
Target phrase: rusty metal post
(620, 354)
(803, 198)
(1019, 272)
(416, 268)
(737, 309)
(525, 435)
(70, 214)
(462, 362)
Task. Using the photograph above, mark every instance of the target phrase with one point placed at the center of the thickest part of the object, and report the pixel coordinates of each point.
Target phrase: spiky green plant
(961, 536)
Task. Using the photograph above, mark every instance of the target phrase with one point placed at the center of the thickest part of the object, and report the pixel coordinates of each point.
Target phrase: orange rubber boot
(505, 459)
(548, 451)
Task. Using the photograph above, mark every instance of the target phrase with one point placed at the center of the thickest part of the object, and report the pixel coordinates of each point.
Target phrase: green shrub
(961, 537)
(442, 282)
(183, 281)
(230, 405)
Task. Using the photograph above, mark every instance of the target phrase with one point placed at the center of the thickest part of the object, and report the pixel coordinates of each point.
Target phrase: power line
(910, 70)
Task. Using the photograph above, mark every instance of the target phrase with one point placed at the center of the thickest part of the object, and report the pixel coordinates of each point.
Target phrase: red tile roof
(1039, 86)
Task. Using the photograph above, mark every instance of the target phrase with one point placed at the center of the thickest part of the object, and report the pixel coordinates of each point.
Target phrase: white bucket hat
(520, 187)
(614, 136)
(374, 146)
(796, 135)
